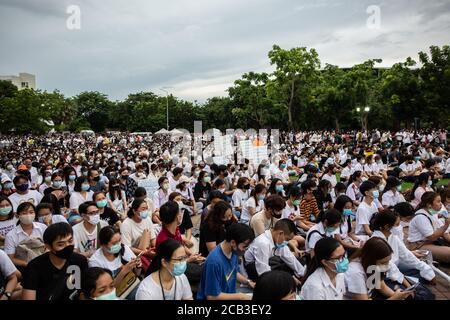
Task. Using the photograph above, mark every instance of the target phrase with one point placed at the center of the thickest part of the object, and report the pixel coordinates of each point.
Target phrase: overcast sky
(199, 47)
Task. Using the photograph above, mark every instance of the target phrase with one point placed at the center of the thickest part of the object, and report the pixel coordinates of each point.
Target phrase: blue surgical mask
(279, 188)
(102, 203)
(57, 184)
(72, 177)
(348, 212)
(342, 265)
(261, 197)
(433, 212)
(281, 245)
(178, 268)
(330, 230)
(375, 194)
(399, 188)
(283, 166)
(85, 187)
(144, 214)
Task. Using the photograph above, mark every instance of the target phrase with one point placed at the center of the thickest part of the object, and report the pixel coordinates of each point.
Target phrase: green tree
(7, 89)
(94, 108)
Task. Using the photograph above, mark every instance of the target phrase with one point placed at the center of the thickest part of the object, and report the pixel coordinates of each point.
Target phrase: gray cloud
(199, 47)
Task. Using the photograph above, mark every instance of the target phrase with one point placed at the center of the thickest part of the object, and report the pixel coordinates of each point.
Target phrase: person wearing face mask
(46, 180)
(366, 209)
(285, 289)
(262, 175)
(137, 229)
(392, 193)
(346, 235)
(213, 228)
(23, 233)
(323, 195)
(271, 249)
(85, 234)
(106, 213)
(410, 169)
(202, 187)
(373, 260)
(221, 270)
(140, 173)
(44, 214)
(309, 210)
(8, 220)
(81, 193)
(69, 179)
(276, 187)
(6, 187)
(126, 183)
(184, 188)
(95, 181)
(167, 279)
(266, 218)
(23, 193)
(353, 191)
(57, 189)
(254, 204)
(240, 195)
(115, 257)
(405, 261)
(185, 224)
(327, 226)
(46, 277)
(116, 197)
(423, 184)
(9, 170)
(427, 231)
(161, 195)
(98, 284)
(325, 274)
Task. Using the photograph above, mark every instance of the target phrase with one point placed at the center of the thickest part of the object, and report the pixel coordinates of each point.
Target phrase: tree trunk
(336, 122)
(291, 102)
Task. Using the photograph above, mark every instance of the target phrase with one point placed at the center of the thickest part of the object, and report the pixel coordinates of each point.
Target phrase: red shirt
(165, 234)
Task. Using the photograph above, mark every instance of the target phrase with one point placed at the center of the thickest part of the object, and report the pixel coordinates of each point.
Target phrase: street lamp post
(364, 117)
(167, 106)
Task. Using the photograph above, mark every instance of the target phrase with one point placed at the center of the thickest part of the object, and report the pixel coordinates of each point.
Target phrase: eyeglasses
(338, 259)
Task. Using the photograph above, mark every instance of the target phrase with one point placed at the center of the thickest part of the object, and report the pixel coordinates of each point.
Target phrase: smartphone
(412, 288)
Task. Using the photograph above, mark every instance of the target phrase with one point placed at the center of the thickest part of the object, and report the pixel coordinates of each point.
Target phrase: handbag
(127, 285)
(29, 249)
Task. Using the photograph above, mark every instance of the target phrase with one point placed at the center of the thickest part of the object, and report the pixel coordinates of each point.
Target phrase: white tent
(162, 131)
(176, 131)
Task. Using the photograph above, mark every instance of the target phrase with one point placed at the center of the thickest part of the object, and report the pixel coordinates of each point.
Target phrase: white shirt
(363, 216)
(390, 198)
(138, 176)
(85, 241)
(16, 236)
(318, 286)
(251, 203)
(160, 197)
(420, 227)
(132, 231)
(313, 237)
(31, 196)
(331, 178)
(263, 248)
(76, 199)
(150, 290)
(402, 256)
(7, 225)
(355, 279)
(347, 172)
(353, 192)
(7, 267)
(98, 259)
(240, 197)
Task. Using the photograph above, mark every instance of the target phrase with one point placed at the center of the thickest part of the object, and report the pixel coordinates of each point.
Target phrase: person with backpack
(328, 226)
(427, 231)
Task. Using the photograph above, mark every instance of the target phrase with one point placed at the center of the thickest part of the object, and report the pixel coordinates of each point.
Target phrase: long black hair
(323, 250)
(265, 289)
(164, 251)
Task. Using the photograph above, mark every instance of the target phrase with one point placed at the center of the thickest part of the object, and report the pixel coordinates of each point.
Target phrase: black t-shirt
(49, 282)
(186, 223)
(209, 235)
(109, 216)
(201, 191)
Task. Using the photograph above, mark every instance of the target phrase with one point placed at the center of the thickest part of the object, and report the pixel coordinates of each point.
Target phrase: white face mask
(27, 218)
(383, 267)
(94, 219)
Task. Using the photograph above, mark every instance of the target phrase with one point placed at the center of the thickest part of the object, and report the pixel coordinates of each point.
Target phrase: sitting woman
(186, 225)
(106, 213)
(325, 274)
(8, 220)
(45, 214)
(137, 230)
(372, 261)
(346, 236)
(391, 194)
(167, 280)
(27, 234)
(328, 226)
(97, 284)
(114, 256)
(427, 231)
(383, 223)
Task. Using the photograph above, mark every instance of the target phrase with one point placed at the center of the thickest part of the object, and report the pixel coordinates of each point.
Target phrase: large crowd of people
(319, 219)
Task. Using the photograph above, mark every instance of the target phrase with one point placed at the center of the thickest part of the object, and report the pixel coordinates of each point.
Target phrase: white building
(23, 81)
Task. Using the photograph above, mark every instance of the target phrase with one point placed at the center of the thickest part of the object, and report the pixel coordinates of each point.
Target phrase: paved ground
(442, 288)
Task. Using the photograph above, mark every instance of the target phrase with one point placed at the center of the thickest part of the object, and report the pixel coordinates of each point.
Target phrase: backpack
(29, 249)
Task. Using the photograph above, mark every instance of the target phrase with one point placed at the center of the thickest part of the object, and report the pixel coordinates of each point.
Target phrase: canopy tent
(176, 131)
(162, 131)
